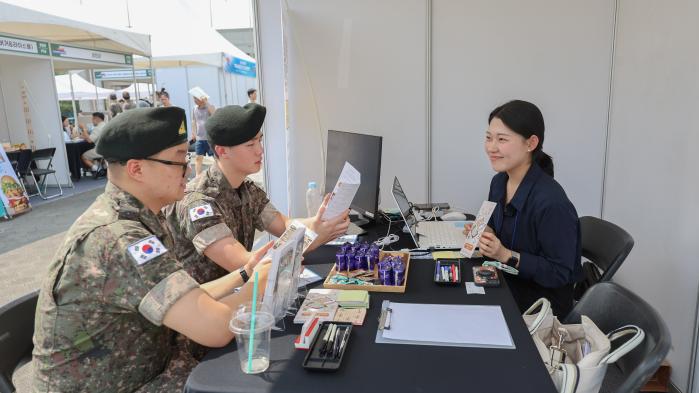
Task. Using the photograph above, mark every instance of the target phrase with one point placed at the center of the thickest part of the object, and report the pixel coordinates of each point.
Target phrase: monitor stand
(356, 221)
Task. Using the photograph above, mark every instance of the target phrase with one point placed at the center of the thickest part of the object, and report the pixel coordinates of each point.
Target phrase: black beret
(142, 132)
(233, 124)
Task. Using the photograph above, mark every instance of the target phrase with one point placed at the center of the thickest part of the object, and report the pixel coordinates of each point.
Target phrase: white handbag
(576, 355)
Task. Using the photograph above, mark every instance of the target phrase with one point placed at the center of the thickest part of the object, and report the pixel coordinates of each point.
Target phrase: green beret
(142, 132)
(233, 124)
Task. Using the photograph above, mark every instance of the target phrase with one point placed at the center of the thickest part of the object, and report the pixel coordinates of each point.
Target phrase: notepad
(446, 255)
(353, 299)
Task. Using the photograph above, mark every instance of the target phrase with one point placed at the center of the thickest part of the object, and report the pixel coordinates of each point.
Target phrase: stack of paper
(343, 193)
(353, 299)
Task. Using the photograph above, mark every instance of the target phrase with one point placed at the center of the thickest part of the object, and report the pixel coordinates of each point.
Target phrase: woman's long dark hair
(525, 119)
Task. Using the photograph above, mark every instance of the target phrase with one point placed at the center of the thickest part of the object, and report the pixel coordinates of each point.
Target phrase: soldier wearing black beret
(116, 293)
(215, 222)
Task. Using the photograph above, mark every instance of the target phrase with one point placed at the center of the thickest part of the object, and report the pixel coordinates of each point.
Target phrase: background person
(200, 115)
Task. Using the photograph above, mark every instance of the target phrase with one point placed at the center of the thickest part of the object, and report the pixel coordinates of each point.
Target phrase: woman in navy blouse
(534, 227)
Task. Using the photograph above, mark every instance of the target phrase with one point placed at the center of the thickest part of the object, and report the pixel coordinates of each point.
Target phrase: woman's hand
(491, 247)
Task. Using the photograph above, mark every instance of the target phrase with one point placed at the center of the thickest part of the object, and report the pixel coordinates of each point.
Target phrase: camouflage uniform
(211, 210)
(100, 311)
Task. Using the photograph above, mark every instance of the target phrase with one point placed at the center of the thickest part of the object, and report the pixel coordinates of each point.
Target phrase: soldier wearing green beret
(115, 293)
(214, 224)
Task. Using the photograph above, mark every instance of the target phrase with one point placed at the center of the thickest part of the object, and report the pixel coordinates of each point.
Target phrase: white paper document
(473, 289)
(477, 229)
(343, 193)
(466, 325)
(198, 92)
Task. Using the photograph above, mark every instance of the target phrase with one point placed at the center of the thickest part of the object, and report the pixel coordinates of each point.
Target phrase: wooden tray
(374, 288)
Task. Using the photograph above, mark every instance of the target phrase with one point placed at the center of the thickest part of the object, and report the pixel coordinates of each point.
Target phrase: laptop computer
(439, 235)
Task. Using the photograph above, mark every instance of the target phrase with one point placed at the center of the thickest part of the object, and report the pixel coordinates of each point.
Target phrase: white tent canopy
(44, 20)
(174, 46)
(144, 90)
(82, 89)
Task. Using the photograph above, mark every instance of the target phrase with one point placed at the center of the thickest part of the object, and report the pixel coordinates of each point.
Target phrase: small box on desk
(328, 350)
(405, 256)
(447, 272)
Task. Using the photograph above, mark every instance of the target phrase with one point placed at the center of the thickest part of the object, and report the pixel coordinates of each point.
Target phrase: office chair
(612, 306)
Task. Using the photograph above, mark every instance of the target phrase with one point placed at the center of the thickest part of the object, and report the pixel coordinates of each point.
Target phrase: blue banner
(238, 66)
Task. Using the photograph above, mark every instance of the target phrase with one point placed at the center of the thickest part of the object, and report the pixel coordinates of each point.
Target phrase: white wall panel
(652, 181)
(358, 66)
(550, 52)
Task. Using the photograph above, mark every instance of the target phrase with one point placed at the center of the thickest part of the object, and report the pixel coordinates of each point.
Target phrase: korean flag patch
(202, 211)
(146, 249)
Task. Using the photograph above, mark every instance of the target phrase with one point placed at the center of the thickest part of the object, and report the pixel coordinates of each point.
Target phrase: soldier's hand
(330, 229)
(256, 256)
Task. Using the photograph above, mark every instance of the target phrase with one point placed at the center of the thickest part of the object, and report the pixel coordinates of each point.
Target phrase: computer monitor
(364, 153)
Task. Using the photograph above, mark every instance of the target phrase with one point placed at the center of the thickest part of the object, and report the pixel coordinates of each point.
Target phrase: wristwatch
(244, 275)
(514, 259)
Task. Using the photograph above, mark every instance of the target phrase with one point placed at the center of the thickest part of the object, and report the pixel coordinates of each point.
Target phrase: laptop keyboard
(440, 234)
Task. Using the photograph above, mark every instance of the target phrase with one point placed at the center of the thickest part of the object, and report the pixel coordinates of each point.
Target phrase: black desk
(73, 152)
(371, 367)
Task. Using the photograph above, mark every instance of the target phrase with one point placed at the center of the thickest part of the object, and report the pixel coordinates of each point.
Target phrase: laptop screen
(405, 208)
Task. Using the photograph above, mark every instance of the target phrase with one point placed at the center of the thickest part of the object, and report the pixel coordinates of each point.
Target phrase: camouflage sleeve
(144, 276)
(202, 223)
(164, 295)
(266, 213)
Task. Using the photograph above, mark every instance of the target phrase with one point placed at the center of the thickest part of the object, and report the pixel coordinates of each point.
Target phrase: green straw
(252, 323)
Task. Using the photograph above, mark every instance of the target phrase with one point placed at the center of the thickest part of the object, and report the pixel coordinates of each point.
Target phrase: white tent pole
(152, 79)
(135, 84)
(94, 82)
(72, 96)
(189, 101)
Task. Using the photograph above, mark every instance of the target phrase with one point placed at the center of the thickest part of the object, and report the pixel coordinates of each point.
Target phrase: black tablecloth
(73, 151)
(371, 367)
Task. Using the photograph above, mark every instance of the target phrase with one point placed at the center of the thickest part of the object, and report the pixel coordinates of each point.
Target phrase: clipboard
(388, 324)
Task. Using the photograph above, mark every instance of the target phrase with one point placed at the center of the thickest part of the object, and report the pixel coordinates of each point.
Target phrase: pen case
(316, 360)
(447, 272)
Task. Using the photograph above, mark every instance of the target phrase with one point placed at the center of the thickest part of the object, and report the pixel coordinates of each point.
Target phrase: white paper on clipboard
(446, 325)
(344, 192)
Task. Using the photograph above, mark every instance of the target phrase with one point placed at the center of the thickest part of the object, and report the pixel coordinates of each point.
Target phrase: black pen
(336, 343)
(330, 337)
(325, 339)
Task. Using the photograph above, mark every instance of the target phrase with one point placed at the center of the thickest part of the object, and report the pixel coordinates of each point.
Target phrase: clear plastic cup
(240, 325)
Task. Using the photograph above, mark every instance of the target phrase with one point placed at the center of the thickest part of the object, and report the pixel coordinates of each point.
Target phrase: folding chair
(36, 171)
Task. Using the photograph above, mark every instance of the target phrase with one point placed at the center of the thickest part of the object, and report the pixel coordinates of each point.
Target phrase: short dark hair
(126, 95)
(63, 118)
(163, 93)
(112, 96)
(250, 91)
(98, 114)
